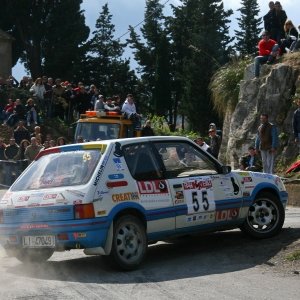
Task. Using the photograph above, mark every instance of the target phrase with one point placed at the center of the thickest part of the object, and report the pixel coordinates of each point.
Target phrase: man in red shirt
(267, 52)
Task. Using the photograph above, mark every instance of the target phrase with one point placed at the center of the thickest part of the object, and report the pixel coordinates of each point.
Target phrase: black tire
(129, 245)
(32, 255)
(265, 217)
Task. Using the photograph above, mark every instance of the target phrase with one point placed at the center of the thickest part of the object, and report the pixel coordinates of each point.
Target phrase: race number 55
(204, 201)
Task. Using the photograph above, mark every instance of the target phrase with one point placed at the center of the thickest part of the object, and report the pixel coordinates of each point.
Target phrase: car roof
(124, 141)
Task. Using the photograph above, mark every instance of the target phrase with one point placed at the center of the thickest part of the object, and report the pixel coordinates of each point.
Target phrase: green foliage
(161, 127)
(225, 84)
(13, 93)
(153, 56)
(201, 45)
(47, 34)
(294, 255)
(249, 24)
(103, 63)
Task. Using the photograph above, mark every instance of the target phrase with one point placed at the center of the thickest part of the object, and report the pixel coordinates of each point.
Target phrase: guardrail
(10, 171)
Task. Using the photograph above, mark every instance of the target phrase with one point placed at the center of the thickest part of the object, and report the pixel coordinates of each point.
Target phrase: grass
(293, 256)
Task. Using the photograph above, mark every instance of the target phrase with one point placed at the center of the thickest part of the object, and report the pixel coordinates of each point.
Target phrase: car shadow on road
(187, 257)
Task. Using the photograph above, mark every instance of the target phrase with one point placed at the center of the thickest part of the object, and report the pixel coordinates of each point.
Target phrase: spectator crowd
(279, 37)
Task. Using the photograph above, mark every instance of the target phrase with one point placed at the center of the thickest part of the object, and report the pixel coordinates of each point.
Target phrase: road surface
(226, 265)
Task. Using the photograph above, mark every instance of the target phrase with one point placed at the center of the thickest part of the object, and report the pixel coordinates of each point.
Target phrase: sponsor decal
(179, 201)
(179, 195)
(263, 175)
(249, 187)
(203, 217)
(236, 188)
(101, 169)
(198, 184)
(130, 196)
(59, 210)
(50, 196)
(243, 173)
(153, 200)
(112, 184)
(77, 202)
(118, 164)
(227, 215)
(23, 198)
(115, 176)
(246, 179)
(153, 187)
(101, 212)
(99, 173)
(34, 226)
(47, 181)
(78, 235)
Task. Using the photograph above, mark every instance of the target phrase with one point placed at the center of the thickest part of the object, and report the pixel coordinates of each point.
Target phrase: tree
(249, 24)
(47, 34)
(153, 56)
(201, 45)
(103, 64)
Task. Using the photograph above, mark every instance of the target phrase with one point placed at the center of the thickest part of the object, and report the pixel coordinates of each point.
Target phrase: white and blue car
(115, 197)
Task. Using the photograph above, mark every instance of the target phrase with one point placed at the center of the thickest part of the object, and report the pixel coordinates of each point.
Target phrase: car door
(154, 192)
(201, 193)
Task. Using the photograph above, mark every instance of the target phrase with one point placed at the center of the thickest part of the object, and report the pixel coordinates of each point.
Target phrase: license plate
(39, 241)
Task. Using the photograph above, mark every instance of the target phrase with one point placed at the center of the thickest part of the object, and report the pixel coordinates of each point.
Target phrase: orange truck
(95, 125)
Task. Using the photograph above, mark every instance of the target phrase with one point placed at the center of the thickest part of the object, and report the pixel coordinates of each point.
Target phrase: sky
(131, 12)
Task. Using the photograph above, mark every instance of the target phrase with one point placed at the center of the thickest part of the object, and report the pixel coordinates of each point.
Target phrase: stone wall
(294, 194)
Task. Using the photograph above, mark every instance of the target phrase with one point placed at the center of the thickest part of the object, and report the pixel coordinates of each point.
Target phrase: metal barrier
(10, 170)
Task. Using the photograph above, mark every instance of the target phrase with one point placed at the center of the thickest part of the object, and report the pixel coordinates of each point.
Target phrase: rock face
(271, 93)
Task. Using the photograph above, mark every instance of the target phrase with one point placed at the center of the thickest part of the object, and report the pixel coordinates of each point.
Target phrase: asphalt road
(226, 265)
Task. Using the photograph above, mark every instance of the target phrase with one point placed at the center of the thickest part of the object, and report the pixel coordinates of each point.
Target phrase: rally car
(115, 197)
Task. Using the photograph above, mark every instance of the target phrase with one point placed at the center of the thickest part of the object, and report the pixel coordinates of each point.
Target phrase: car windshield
(59, 169)
(97, 131)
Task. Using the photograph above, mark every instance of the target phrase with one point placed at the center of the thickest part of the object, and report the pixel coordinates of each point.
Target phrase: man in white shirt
(130, 111)
(201, 143)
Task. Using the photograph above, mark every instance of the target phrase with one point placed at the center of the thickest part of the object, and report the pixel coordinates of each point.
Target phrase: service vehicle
(115, 197)
(100, 125)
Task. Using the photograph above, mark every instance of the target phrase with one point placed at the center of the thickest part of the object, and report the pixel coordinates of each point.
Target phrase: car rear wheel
(32, 255)
(265, 217)
(129, 244)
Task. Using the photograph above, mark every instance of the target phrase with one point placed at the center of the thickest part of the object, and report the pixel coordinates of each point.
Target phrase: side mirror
(226, 169)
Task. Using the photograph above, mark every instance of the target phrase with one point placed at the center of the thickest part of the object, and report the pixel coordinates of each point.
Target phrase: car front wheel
(265, 217)
(129, 243)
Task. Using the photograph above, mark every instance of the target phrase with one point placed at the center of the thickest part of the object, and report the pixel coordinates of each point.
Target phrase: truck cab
(94, 125)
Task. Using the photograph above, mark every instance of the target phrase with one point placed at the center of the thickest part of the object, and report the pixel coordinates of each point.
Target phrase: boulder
(271, 93)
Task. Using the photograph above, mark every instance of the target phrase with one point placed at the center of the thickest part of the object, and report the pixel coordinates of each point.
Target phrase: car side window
(182, 159)
(142, 162)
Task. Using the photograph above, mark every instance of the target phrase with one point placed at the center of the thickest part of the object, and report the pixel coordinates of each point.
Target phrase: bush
(225, 84)
(161, 127)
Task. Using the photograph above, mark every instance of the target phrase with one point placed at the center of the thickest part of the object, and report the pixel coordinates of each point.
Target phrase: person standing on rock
(296, 120)
(267, 143)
